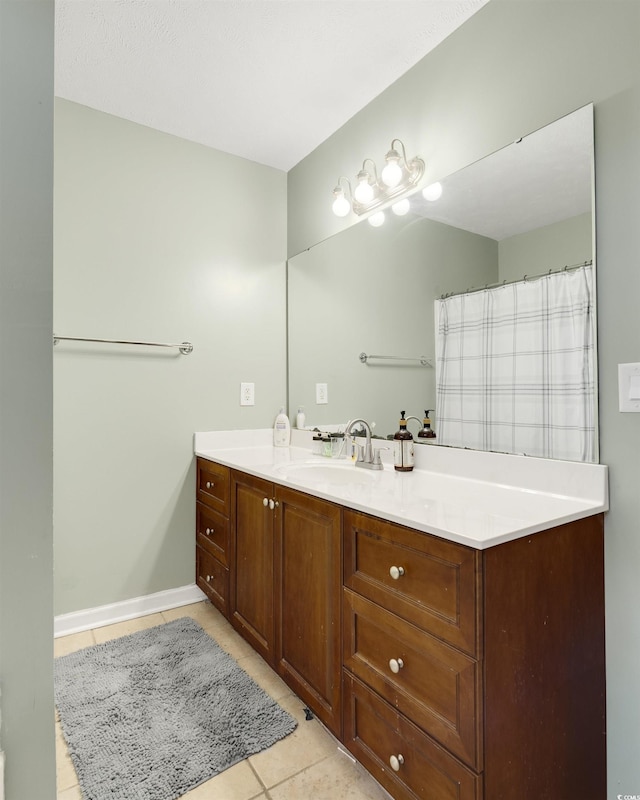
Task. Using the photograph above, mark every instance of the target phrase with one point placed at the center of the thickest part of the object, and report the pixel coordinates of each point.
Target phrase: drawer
(436, 585)
(212, 485)
(212, 532)
(374, 732)
(436, 686)
(213, 578)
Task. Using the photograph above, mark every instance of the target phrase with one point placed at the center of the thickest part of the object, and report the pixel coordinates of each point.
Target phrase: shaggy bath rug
(151, 715)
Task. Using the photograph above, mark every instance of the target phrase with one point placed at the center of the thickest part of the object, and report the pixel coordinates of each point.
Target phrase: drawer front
(436, 686)
(212, 532)
(213, 578)
(213, 485)
(375, 732)
(428, 581)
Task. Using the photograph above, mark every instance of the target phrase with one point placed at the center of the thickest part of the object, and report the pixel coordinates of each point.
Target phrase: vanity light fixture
(372, 192)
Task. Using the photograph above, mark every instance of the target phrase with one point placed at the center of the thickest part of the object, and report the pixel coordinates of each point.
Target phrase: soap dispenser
(427, 432)
(403, 447)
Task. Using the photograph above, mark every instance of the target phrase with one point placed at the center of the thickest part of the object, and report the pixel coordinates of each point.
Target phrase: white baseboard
(78, 621)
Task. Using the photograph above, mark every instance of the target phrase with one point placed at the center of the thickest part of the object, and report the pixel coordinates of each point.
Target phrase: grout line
(260, 781)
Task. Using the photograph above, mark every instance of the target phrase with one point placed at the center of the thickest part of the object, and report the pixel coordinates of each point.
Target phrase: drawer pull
(210, 484)
(272, 505)
(208, 578)
(396, 572)
(396, 664)
(396, 762)
(209, 531)
(265, 501)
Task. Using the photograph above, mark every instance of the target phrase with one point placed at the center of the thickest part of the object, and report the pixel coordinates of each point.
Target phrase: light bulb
(392, 173)
(376, 220)
(401, 207)
(432, 192)
(364, 190)
(341, 206)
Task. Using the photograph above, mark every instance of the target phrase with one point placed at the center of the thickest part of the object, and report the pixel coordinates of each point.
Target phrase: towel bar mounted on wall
(185, 348)
(423, 361)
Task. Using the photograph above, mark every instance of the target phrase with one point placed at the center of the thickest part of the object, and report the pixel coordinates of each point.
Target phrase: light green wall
(26, 564)
(551, 247)
(513, 67)
(156, 239)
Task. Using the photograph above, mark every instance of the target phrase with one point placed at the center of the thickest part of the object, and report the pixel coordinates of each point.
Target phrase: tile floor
(306, 764)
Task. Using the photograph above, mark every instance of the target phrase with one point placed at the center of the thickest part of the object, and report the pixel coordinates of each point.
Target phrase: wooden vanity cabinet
(489, 685)
(286, 583)
(212, 532)
(451, 673)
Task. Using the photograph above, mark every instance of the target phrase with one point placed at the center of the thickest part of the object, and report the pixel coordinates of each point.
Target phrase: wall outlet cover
(322, 394)
(247, 394)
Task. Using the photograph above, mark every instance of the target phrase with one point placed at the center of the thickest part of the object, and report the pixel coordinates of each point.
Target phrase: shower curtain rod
(568, 268)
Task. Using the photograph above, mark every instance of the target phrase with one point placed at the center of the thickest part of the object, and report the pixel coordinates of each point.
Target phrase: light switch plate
(628, 380)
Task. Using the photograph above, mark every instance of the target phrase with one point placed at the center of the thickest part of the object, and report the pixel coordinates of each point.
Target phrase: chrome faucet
(366, 457)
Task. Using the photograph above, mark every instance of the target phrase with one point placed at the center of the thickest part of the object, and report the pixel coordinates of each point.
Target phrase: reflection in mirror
(523, 210)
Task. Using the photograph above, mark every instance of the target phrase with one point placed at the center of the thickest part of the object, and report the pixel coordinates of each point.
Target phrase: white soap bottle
(300, 419)
(281, 430)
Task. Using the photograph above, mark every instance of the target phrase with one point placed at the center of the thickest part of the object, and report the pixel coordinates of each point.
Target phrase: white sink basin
(333, 473)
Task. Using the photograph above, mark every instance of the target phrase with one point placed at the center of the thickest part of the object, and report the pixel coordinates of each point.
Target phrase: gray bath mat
(151, 715)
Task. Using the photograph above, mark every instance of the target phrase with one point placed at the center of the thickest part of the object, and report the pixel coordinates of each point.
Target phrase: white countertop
(466, 496)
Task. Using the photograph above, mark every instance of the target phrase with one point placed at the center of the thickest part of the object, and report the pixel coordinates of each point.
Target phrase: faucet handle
(376, 455)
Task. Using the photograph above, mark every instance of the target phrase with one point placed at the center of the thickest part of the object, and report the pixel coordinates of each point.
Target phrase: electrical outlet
(322, 394)
(247, 394)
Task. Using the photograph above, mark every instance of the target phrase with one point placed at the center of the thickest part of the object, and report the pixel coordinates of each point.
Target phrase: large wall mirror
(524, 210)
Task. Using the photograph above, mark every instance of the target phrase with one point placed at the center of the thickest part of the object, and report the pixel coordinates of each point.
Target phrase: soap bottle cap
(403, 433)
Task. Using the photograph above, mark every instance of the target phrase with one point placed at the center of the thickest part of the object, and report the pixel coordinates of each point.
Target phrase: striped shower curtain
(514, 368)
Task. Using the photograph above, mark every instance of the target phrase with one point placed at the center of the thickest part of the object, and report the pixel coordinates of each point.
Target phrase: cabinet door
(252, 562)
(308, 581)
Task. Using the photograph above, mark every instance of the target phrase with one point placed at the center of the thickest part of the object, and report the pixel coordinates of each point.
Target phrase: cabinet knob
(396, 664)
(396, 572)
(209, 531)
(208, 578)
(210, 484)
(272, 505)
(396, 762)
(265, 501)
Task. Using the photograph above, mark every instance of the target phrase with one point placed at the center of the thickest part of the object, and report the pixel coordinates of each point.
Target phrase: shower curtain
(514, 368)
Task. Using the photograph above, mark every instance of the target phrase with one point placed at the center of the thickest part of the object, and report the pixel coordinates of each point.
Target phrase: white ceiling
(267, 80)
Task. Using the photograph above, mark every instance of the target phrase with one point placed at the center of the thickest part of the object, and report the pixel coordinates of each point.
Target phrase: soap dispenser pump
(427, 432)
(403, 447)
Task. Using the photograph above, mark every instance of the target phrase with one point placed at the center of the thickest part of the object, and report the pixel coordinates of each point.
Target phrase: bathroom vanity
(447, 624)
